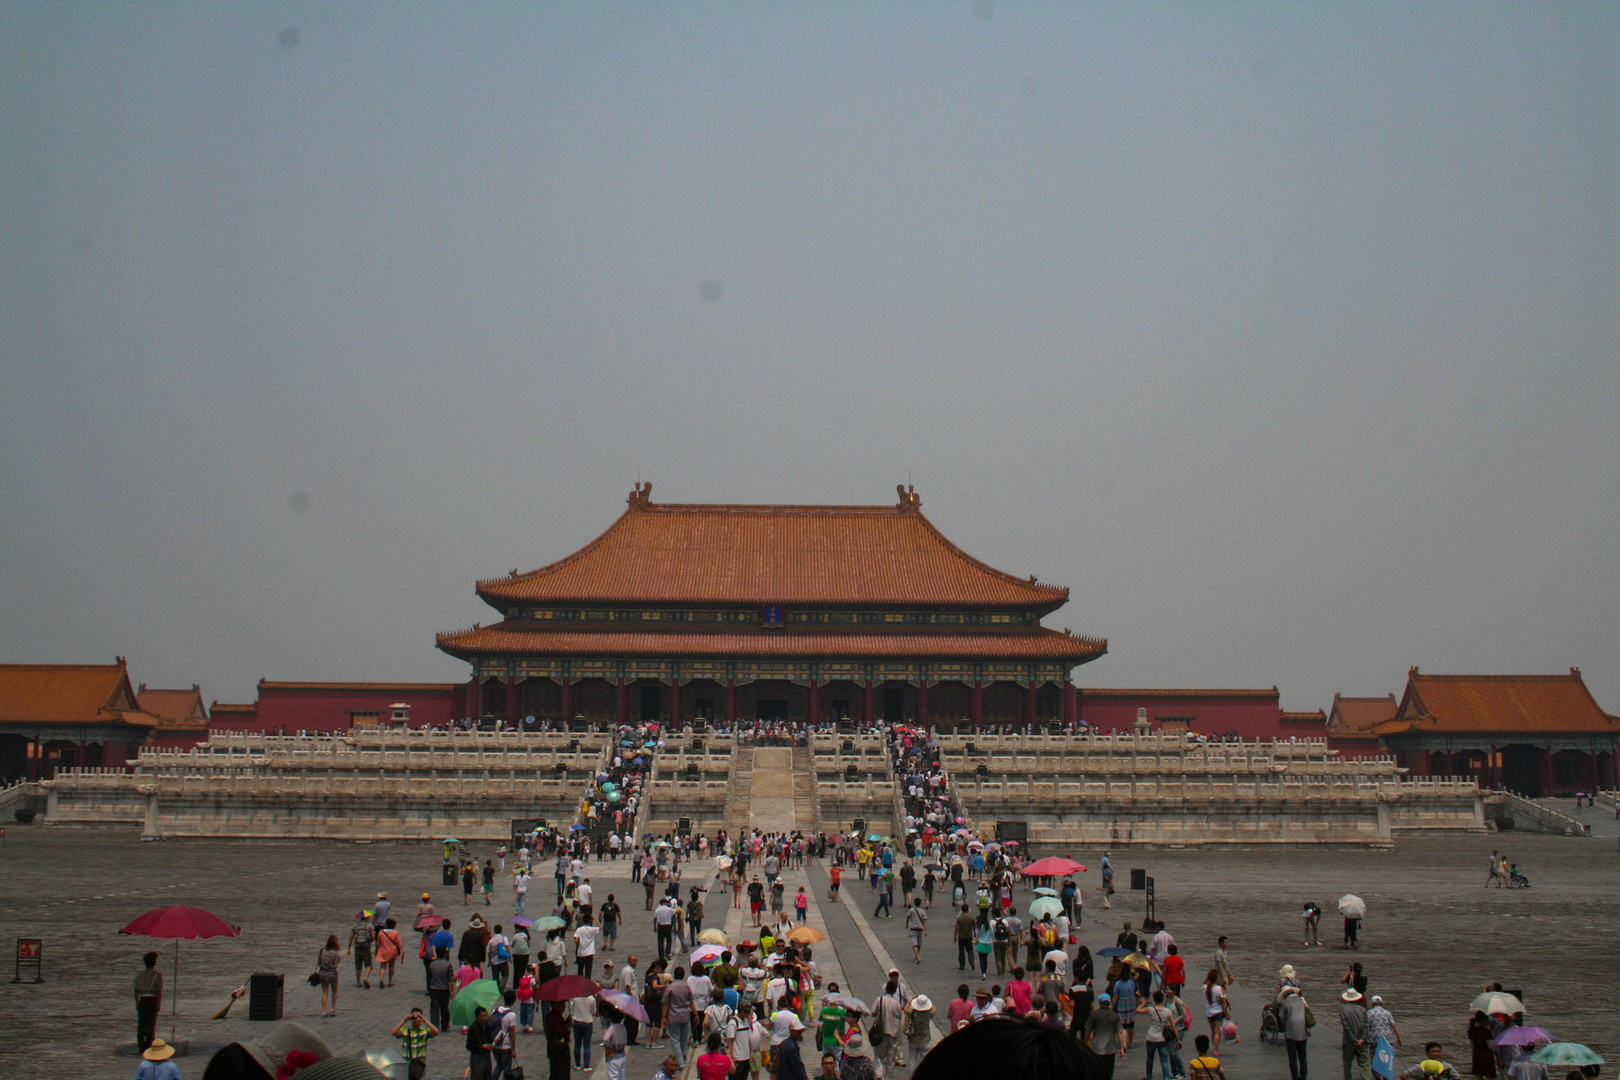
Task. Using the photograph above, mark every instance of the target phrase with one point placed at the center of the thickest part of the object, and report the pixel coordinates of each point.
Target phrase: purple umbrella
(1524, 1036)
(627, 1005)
(523, 921)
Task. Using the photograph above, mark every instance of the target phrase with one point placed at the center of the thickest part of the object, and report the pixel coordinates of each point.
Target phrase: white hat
(1351, 994)
(921, 1003)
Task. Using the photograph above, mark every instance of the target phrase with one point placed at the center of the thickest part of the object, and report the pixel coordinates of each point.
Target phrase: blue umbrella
(1113, 952)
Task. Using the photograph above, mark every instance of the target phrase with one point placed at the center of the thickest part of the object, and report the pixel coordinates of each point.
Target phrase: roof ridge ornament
(909, 499)
(642, 495)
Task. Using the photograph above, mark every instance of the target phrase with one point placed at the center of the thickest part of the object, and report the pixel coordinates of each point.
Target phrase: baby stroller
(1517, 880)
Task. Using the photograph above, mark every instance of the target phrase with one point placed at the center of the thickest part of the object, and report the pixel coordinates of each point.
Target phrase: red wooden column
(813, 703)
(1546, 770)
(567, 698)
(1071, 711)
(922, 702)
(674, 703)
(475, 687)
(866, 704)
(976, 704)
(1031, 697)
(731, 703)
(511, 699)
(621, 703)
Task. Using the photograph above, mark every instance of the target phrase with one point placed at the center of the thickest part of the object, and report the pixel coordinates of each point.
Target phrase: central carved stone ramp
(772, 802)
(739, 801)
(805, 808)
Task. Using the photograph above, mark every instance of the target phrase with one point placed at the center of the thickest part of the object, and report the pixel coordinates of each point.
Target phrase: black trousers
(964, 954)
(146, 1014)
(439, 1008)
(557, 1057)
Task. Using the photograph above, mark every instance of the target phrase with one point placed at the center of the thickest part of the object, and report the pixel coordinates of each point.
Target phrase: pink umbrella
(1052, 866)
(627, 1005)
(180, 921)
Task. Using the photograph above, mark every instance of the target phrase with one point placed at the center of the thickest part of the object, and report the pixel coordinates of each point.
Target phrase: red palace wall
(330, 706)
(1251, 715)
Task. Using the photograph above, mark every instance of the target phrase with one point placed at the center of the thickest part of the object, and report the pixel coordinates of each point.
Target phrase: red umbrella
(567, 986)
(428, 922)
(1052, 866)
(180, 921)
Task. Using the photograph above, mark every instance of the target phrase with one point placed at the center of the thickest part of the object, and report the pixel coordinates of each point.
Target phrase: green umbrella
(485, 992)
(1566, 1055)
(1045, 905)
(549, 922)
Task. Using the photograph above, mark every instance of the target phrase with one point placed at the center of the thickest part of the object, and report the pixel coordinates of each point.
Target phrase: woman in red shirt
(716, 1064)
(960, 1009)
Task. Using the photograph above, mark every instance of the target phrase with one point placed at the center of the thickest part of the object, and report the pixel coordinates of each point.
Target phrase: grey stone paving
(1431, 936)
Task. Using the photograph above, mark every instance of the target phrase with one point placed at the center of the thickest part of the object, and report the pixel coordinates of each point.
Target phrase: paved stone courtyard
(1431, 936)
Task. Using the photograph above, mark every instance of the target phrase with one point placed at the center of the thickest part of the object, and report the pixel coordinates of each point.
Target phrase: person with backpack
(999, 935)
(361, 935)
(503, 1023)
(500, 957)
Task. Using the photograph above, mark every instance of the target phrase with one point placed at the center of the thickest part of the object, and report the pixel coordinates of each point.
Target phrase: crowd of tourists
(761, 1009)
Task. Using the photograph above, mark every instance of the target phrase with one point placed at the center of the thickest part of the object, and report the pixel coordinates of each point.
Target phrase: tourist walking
(1161, 1032)
(582, 1012)
(389, 950)
(585, 938)
(148, 1001)
(1480, 1033)
(1296, 1030)
(1353, 1044)
(326, 968)
(439, 976)
(361, 935)
(480, 1042)
(1214, 1006)
(558, 1028)
(916, 928)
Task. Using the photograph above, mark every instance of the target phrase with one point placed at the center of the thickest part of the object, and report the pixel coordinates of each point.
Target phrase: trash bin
(450, 875)
(1138, 880)
(264, 995)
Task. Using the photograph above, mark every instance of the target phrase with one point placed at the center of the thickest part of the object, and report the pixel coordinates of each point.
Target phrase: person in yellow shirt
(1204, 1067)
(863, 859)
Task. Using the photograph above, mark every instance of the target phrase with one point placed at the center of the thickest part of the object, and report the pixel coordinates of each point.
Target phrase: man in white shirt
(784, 1022)
(585, 935)
(1060, 957)
(583, 893)
(506, 1029)
(664, 927)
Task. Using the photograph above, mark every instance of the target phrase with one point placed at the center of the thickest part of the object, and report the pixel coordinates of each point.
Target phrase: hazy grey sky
(1285, 335)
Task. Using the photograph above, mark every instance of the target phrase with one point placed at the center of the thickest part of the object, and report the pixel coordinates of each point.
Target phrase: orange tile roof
(176, 709)
(509, 638)
(772, 555)
(66, 694)
(1310, 716)
(1500, 704)
(1359, 714)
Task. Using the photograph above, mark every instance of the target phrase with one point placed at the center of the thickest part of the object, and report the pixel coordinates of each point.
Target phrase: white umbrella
(1497, 1002)
(1352, 906)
